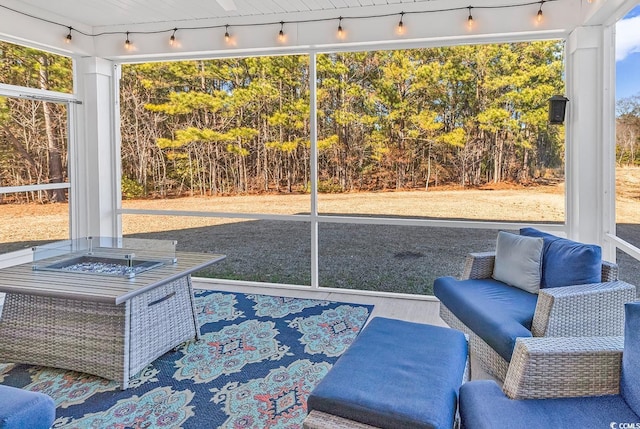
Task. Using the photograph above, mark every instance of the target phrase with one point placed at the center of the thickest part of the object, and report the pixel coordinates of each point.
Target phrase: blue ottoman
(396, 374)
(21, 409)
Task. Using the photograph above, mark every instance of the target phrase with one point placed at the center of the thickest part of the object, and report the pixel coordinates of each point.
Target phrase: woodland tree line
(386, 120)
(33, 134)
(405, 119)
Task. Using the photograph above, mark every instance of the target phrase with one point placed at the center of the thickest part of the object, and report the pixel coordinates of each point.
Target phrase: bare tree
(55, 157)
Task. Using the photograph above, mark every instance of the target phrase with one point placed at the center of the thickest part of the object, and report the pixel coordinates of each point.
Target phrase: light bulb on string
(340, 30)
(281, 36)
(539, 16)
(400, 28)
(227, 37)
(127, 42)
(69, 36)
(172, 39)
(470, 19)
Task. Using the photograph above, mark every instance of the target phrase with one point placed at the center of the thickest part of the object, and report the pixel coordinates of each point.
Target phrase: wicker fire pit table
(111, 326)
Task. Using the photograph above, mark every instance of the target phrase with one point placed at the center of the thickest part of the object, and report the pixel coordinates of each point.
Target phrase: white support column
(313, 102)
(588, 136)
(608, 148)
(96, 190)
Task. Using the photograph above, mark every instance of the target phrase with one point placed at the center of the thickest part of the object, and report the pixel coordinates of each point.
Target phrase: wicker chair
(580, 382)
(590, 310)
(564, 367)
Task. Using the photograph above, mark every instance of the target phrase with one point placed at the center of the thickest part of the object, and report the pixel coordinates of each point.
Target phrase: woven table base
(107, 340)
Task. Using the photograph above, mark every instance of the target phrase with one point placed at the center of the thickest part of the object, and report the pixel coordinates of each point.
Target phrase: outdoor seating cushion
(483, 405)
(518, 261)
(629, 386)
(496, 312)
(566, 262)
(396, 374)
(20, 409)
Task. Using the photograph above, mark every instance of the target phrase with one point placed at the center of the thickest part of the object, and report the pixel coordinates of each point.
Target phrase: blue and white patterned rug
(258, 360)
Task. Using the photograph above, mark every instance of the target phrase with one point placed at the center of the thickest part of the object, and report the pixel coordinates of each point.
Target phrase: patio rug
(258, 360)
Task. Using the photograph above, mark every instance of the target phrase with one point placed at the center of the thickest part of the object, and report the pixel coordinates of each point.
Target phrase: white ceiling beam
(607, 12)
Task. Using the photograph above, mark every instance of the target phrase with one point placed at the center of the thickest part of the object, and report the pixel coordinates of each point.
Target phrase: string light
(127, 43)
(400, 29)
(281, 33)
(539, 15)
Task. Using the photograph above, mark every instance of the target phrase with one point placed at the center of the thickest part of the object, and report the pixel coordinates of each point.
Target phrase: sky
(628, 55)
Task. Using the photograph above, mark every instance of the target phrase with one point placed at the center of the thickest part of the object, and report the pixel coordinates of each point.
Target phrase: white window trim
(14, 91)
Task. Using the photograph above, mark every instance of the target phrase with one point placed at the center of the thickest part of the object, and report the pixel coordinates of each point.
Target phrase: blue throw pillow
(566, 262)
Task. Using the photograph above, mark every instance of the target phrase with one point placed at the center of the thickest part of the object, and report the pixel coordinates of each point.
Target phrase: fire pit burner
(103, 265)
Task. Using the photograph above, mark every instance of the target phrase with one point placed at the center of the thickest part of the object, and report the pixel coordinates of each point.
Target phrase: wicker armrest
(553, 367)
(609, 271)
(595, 309)
(478, 265)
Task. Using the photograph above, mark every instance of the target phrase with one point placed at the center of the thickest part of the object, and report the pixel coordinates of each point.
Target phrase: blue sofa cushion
(20, 409)
(396, 374)
(566, 262)
(629, 386)
(496, 312)
(483, 405)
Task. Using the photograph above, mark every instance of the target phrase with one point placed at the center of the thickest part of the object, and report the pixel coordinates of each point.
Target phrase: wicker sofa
(495, 315)
(559, 382)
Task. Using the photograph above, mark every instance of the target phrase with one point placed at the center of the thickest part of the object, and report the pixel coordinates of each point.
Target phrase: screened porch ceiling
(105, 13)
(99, 27)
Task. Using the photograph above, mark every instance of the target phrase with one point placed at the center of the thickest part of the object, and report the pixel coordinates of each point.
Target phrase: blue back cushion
(566, 262)
(496, 312)
(629, 382)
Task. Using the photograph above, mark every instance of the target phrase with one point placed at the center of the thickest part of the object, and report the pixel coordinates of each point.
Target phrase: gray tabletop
(22, 279)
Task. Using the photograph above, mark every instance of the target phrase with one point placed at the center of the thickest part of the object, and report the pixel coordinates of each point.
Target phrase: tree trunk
(499, 145)
(55, 158)
(426, 186)
(525, 166)
(33, 165)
